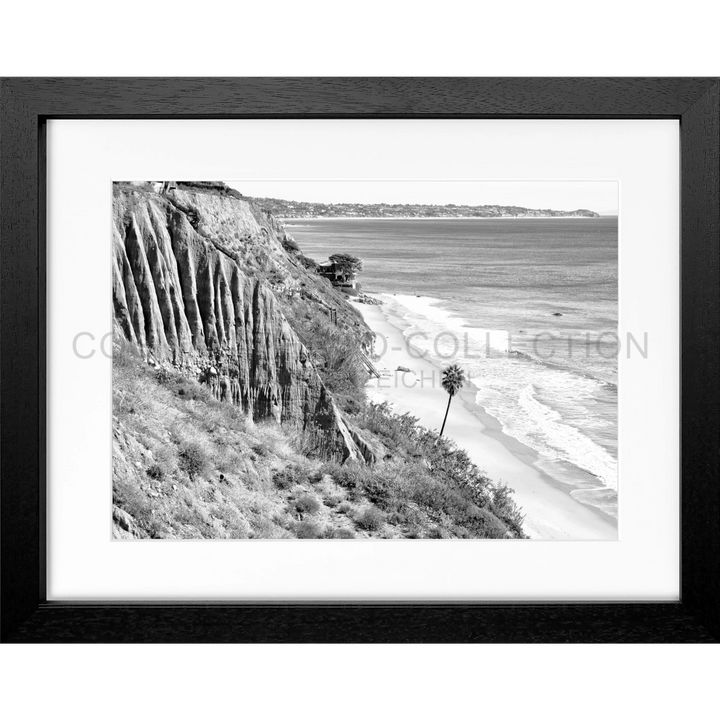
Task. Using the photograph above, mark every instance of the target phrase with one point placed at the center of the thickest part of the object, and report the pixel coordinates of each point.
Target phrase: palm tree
(452, 380)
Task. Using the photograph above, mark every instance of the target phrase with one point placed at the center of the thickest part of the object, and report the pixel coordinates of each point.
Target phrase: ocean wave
(442, 334)
(550, 408)
(604, 499)
(557, 439)
(455, 337)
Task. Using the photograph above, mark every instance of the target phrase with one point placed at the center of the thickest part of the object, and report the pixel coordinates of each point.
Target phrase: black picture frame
(25, 106)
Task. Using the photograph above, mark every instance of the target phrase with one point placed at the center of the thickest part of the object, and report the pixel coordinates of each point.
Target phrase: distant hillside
(293, 209)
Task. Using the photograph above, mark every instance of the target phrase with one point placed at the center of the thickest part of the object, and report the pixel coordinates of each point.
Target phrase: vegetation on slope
(189, 466)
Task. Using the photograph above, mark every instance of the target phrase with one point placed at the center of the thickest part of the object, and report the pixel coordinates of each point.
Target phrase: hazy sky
(601, 196)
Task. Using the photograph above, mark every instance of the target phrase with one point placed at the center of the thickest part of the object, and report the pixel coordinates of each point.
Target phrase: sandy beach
(551, 512)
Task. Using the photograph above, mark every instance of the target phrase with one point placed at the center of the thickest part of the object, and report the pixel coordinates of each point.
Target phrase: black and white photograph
(394, 275)
(365, 360)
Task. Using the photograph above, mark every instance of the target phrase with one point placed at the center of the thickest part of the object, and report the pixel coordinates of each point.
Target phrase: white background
(643, 155)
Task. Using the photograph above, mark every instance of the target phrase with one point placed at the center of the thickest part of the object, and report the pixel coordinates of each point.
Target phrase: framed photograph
(458, 335)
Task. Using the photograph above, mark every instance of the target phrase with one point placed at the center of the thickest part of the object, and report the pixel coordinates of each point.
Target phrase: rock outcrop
(193, 273)
(124, 526)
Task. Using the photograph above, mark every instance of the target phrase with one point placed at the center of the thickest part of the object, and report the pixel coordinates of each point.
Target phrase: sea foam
(550, 409)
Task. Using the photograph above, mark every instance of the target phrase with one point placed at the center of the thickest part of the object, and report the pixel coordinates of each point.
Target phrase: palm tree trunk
(447, 410)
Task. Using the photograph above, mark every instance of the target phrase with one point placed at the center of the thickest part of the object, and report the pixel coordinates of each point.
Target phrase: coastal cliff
(239, 399)
(196, 272)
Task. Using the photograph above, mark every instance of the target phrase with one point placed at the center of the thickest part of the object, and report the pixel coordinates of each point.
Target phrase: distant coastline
(449, 217)
(300, 210)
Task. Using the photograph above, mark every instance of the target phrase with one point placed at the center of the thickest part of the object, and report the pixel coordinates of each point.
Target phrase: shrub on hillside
(431, 493)
(333, 499)
(336, 351)
(347, 476)
(487, 525)
(283, 480)
(156, 472)
(190, 389)
(308, 530)
(193, 459)
(505, 508)
(165, 459)
(397, 432)
(261, 449)
(380, 490)
(407, 515)
(342, 534)
(370, 519)
(308, 262)
(307, 504)
(164, 376)
(288, 476)
(437, 475)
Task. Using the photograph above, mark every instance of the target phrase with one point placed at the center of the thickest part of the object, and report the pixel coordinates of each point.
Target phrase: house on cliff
(341, 276)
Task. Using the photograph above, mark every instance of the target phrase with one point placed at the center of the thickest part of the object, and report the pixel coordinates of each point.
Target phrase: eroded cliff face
(192, 278)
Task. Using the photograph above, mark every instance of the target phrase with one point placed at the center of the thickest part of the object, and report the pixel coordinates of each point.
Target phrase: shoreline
(551, 513)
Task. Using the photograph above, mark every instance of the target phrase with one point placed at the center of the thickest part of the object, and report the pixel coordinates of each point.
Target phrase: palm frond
(453, 378)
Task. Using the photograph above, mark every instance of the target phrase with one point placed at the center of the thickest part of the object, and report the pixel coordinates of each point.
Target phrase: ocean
(529, 307)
